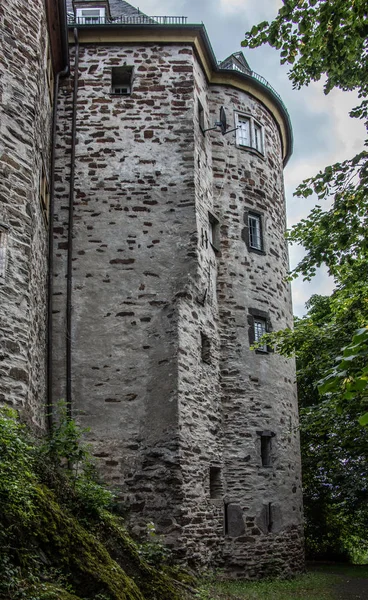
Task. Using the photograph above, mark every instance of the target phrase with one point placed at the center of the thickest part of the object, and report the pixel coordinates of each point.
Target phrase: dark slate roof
(118, 8)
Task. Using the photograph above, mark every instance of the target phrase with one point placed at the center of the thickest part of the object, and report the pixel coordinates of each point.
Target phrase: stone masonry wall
(134, 253)
(25, 127)
(162, 368)
(258, 389)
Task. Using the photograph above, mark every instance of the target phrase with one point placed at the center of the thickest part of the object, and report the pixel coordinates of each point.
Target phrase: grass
(319, 584)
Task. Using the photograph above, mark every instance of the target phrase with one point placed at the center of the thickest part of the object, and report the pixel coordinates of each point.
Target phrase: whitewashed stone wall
(148, 287)
(25, 127)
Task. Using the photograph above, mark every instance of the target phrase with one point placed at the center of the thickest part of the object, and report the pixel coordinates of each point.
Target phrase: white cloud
(262, 8)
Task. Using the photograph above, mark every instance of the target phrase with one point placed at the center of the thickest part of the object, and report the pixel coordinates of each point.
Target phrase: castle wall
(258, 390)
(133, 254)
(25, 128)
(162, 368)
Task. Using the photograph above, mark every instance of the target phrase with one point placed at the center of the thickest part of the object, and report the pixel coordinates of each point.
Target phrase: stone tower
(168, 261)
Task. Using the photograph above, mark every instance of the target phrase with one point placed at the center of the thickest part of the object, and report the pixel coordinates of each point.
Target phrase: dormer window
(90, 16)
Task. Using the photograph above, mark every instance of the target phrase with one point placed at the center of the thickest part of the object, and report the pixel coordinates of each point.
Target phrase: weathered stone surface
(25, 127)
(148, 288)
(162, 370)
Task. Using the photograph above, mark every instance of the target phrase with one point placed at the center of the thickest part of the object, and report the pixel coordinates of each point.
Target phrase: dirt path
(351, 588)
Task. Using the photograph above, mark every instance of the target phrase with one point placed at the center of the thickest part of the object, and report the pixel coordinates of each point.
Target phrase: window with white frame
(90, 16)
(3, 247)
(258, 137)
(243, 137)
(249, 133)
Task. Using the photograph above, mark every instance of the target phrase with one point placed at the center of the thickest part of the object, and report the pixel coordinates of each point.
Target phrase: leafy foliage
(328, 39)
(58, 541)
(319, 37)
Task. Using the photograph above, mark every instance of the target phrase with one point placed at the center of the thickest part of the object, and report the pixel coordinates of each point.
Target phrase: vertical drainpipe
(51, 250)
(70, 237)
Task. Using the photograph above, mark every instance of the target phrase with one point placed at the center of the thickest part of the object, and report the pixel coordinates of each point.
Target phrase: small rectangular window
(259, 324)
(201, 116)
(266, 447)
(214, 232)
(121, 80)
(3, 248)
(205, 348)
(260, 328)
(216, 487)
(255, 231)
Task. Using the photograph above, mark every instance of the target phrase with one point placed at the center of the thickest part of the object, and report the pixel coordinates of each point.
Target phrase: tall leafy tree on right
(328, 39)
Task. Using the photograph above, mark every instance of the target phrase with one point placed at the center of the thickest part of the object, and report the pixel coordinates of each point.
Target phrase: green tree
(327, 39)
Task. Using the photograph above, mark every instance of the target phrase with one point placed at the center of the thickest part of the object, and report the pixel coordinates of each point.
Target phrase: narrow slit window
(201, 116)
(44, 195)
(255, 231)
(121, 80)
(3, 249)
(214, 232)
(216, 488)
(269, 517)
(266, 447)
(205, 348)
(258, 137)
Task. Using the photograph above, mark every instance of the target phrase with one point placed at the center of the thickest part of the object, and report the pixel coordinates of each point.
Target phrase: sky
(323, 132)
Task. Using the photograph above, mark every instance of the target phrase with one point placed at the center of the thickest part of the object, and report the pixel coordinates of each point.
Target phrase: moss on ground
(51, 550)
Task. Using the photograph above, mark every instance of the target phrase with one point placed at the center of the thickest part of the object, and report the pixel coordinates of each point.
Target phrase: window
(3, 247)
(260, 328)
(50, 74)
(205, 348)
(252, 234)
(121, 80)
(255, 231)
(44, 195)
(90, 16)
(216, 488)
(243, 131)
(233, 520)
(258, 137)
(259, 324)
(214, 232)
(201, 116)
(266, 447)
(249, 133)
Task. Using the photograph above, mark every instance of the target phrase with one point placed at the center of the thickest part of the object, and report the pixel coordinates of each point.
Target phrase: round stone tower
(178, 265)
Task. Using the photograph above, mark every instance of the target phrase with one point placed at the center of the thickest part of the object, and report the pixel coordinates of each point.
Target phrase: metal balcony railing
(123, 20)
